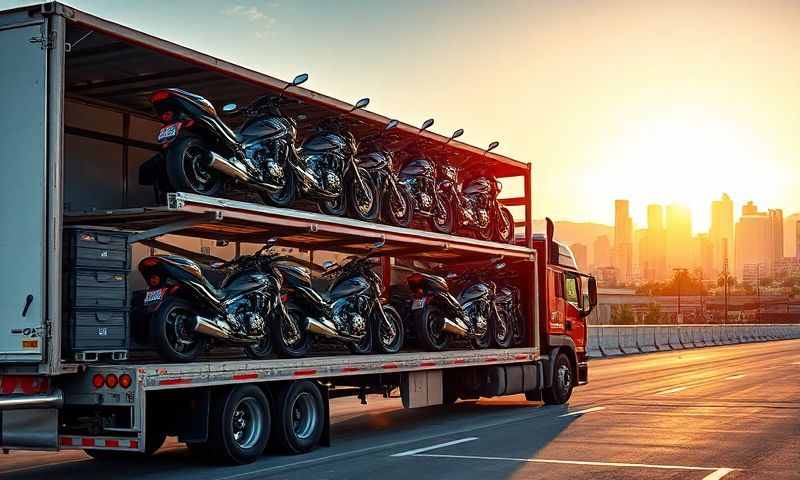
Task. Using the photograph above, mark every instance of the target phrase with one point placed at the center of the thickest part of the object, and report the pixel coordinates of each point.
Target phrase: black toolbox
(96, 248)
(96, 265)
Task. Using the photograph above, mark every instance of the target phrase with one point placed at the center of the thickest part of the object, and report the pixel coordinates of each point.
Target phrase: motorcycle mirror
(271, 241)
(392, 123)
(426, 125)
(492, 146)
(456, 134)
(298, 80)
(500, 266)
(379, 244)
(230, 108)
(327, 264)
(222, 243)
(451, 275)
(360, 104)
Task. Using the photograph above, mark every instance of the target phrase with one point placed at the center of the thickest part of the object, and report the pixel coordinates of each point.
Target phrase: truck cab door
(574, 322)
(557, 311)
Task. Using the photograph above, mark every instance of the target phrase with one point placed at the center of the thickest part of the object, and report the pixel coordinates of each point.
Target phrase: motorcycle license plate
(418, 304)
(169, 132)
(154, 296)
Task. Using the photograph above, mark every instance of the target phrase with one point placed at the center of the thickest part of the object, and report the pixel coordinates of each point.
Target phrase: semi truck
(75, 127)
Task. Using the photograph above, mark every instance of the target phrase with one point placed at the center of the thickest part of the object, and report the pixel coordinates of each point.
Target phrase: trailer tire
(241, 411)
(299, 415)
(561, 386)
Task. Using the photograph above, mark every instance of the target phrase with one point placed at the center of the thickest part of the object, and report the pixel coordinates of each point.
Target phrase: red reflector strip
(66, 441)
(175, 381)
(112, 443)
(490, 359)
(134, 444)
(521, 356)
(458, 361)
(245, 376)
(303, 373)
(427, 364)
(87, 442)
(389, 366)
(350, 369)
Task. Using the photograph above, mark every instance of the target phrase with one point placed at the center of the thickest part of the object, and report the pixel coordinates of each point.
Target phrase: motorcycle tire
(444, 222)
(286, 196)
(390, 340)
(487, 233)
(371, 208)
(261, 350)
(483, 341)
(188, 170)
(336, 207)
(296, 349)
(365, 345)
(394, 213)
(504, 226)
(502, 329)
(174, 318)
(428, 326)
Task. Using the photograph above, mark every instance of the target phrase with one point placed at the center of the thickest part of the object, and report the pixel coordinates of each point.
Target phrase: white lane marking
(718, 473)
(581, 412)
(434, 447)
(671, 390)
(577, 462)
(735, 377)
(794, 363)
(675, 414)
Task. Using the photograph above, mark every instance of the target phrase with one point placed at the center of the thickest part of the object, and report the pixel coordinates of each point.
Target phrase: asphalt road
(728, 412)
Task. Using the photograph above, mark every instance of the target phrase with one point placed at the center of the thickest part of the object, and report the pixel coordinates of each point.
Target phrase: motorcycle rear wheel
(399, 211)
(188, 170)
(172, 331)
(429, 329)
(280, 331)
(364, 203)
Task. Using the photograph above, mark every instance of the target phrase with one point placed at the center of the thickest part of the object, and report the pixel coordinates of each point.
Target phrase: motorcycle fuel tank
(243, 282)
(474, 292)
(294, 275)
(349, 286)
(479, 185)
(324, 142)
(417, 168)
(374, 161)
(266, 127)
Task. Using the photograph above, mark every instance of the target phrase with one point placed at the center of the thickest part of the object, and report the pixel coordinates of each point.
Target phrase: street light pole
(678, 272)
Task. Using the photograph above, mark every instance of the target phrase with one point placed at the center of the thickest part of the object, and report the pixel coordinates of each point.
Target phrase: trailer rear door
(23, 87)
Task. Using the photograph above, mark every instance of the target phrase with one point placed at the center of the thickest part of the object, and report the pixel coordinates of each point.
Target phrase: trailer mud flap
(29, 429)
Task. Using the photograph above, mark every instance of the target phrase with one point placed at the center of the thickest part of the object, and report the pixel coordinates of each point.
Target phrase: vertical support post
(126, 130)
(386, 275)
(529, 208)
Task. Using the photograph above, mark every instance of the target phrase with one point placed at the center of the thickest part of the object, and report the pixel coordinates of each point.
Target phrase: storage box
(95, 288)
(96, 330)
(96, 248)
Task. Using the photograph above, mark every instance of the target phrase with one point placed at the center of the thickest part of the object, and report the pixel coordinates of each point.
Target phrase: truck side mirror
(592, 292)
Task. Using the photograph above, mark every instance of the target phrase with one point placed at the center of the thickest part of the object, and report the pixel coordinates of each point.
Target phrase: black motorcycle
(325, 170)
(438, 315)
(186, 312)
(351, 311)
(419, 177)
(509, 305)
(397, 203)
(202, 153)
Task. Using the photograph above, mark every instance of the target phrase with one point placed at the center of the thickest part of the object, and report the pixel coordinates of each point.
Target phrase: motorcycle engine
(244, 317)
(426, 201)
(348, 318)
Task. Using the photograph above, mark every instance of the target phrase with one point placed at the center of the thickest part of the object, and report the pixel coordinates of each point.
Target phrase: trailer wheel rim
(247, 422)
(304, 415)
(564, 378)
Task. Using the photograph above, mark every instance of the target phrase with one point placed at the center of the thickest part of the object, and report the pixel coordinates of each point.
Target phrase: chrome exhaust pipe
(221, 330)
(219, 163)
(455, 328)
(324, 328)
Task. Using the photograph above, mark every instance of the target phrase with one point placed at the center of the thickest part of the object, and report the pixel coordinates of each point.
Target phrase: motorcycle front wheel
(502, 331)
(480, 340)
(336, 207)
(364, 197)
(443, 218)
(188, 167)
(364, 346)
(261, 350)
(172, 331)
(399, 209)
(391, 333)
(504, 226)
(284, 197)
(289, 334)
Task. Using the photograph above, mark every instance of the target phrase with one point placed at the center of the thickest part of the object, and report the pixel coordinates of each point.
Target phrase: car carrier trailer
(75, 127)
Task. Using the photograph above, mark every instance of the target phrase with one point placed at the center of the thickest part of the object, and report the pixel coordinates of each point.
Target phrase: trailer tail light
(98, 381)
(111, 380)
(125, 380)
(26, 384)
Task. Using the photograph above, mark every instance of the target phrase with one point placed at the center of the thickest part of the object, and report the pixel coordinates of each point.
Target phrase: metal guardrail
(612, 340)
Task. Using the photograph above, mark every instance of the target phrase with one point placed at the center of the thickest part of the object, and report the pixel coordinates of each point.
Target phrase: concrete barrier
(627, 340)
(609, 341)
(686, 337)
(698, 336)
(662, 337)
(646, 338)
(674, 336)
(593, 349)
(708, 335)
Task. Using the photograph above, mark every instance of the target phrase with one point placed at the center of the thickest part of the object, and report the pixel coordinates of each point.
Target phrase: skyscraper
(654, 244)
(581, 257)
(704, 255)
(721, 230)
(623, 240)
(761, 241)
(679, 236)
(601, 249)
(776, 234)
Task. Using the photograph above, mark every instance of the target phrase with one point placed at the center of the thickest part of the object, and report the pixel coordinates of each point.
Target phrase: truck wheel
(172, 331)
(240, 424)
(299, 417)
(428, 325)
(561, 388)
(188, 169)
